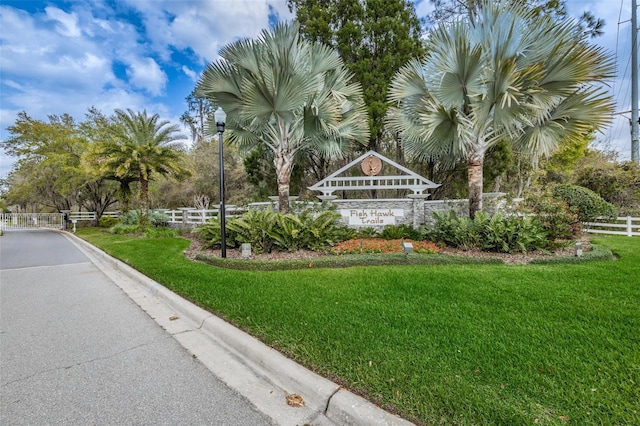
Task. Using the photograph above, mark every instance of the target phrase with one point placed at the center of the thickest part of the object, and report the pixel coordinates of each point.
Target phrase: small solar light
(246, 250)
(407, 247)
(578, 249)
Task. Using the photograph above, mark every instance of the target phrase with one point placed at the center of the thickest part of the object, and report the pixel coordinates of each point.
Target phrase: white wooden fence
(181, 216)
(625, 225)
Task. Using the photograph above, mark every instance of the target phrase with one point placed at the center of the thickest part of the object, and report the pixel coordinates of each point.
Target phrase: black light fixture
(220, 117)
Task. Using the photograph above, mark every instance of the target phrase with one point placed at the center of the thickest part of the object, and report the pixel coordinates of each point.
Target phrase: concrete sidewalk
(259, 373)
(76, 350)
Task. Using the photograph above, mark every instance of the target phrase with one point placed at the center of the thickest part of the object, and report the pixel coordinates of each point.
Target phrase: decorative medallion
(371, 165)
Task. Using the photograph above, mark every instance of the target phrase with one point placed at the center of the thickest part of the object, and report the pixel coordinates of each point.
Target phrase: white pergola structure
(409, 180)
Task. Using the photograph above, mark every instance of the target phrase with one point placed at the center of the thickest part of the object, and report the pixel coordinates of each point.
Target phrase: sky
(65, 56)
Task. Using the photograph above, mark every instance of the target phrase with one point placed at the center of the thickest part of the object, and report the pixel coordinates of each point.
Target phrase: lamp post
(220, 118)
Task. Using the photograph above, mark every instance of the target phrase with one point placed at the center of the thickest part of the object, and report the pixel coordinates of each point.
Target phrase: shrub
(265, 229)
(288, 232)
(499, 233)
(132, 217)
(253, 227)
(122, 228)
(554, 217)
(322, 229)
(107, 221)
(366, 232)
(158, 218)
(394, 232)
(210, 233)
(583, 202)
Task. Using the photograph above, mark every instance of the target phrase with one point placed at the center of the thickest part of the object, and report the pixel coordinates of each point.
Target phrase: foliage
(140, 146)
(366, 232)
(379, 245)
(617, 183)
(254, 227)
(158, 218)
(322, 229)
(394, 232)
(474, 88)
(374, 39)
(553, 215)
(447, 10)
(132, 217)
(123, 228)
(489, 233)
(265, 230)
(584, 203)
(49, 170)
(286, 94)
(210, 232)
(107, 221)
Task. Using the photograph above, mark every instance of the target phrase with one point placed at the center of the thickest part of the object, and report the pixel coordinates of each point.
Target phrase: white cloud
(204, 26)
(190, 73)
(145, 73)
(67, 22)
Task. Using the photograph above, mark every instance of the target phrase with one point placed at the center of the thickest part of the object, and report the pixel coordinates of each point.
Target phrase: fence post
(629, 230)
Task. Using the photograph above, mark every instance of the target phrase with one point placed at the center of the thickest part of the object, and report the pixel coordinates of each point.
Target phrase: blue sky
(65, 56)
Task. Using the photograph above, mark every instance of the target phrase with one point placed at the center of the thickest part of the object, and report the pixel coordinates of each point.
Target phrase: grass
(440, 344)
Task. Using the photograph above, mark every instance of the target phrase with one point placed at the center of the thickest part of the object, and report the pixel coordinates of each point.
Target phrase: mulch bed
(196, 248)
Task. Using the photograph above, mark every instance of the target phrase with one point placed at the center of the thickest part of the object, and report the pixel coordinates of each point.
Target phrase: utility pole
(635, 144)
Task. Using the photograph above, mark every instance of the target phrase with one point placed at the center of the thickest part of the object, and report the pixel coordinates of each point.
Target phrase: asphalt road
(74, 349)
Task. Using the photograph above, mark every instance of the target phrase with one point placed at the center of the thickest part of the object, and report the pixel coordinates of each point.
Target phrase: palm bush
(498, 233)
(394, 232)
(254, 227)
(266, 230)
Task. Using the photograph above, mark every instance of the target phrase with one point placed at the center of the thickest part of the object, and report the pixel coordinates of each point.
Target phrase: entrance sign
(371, 217)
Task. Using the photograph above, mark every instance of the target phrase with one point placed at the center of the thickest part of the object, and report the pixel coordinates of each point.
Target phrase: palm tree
(502, 74)
(140, 146)
(286, 94)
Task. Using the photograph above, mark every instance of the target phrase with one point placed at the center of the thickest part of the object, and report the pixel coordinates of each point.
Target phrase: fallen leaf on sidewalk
(295, 400)
(173, 317)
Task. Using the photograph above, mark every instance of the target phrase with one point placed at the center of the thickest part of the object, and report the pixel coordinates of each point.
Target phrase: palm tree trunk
(144, 195)
(474, 173)
(283, 162)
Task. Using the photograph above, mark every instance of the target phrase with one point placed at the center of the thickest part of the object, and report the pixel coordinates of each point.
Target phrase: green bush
(396, 232)
(132, 217)
(583, 202)
(253, 227)
(498, 233)
(122, 228)
(265, 230)
(322, 230)
(210, 232)
(366, 233)
(158, 218)
(554, 217)
(107, 221)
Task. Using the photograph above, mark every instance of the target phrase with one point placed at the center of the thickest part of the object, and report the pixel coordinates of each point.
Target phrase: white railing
(626, 225)
(22, 221)
(82, 216)
(180, 216)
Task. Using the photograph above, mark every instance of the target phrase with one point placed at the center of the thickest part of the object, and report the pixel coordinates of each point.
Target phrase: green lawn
(440, 344)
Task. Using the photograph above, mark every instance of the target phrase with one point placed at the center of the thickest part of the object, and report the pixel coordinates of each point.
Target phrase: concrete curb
(325, 398)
